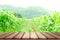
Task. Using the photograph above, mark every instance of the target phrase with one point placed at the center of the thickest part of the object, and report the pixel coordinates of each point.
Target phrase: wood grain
(47, 35)
(33, 35)
(3, 36)
(56, 36)
(26, 35)
(20, 35)
(40, 35)
(30, 36)
(12, 35)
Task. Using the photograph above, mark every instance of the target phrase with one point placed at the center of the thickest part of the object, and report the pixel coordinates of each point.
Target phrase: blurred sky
(49, 4)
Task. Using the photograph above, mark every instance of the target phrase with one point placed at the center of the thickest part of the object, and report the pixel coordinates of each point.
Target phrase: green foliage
(47, 23)
(9, 22)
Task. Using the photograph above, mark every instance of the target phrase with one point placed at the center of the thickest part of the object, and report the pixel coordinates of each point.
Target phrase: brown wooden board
(30, 36)
(33, 35)
(12, 35)
(47, 35)
(55, 35)
(20, 35)
(40, 35)
(4, 35)
(26, 35)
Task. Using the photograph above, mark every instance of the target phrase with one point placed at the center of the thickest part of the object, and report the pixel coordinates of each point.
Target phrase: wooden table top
(30, 35)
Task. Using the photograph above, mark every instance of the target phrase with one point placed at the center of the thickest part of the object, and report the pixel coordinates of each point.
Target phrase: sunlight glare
(49, 4)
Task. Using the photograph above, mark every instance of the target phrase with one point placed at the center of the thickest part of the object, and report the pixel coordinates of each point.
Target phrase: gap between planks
(30, 35)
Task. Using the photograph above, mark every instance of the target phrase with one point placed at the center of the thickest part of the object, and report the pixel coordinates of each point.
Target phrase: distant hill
(29, 12)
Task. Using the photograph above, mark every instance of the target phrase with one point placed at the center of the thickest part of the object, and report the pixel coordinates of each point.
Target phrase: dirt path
(32, 26)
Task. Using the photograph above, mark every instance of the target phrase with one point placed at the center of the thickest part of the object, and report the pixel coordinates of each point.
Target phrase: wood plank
(33, 35)
(2, 34)
(57, 33)
(40, 35)
(26, 35)
(56, 36)
(5, 35)
(12, 35)
(20, 35)
(47, 35)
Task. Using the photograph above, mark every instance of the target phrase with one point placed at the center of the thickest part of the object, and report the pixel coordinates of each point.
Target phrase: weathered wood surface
(30, 36)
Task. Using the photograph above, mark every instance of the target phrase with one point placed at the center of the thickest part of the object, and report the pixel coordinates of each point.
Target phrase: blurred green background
(19, 19)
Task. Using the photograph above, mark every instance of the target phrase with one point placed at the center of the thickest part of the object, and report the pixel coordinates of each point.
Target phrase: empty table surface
(30, 36)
